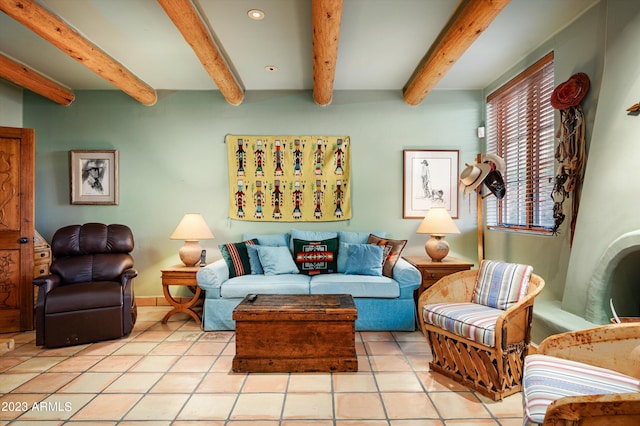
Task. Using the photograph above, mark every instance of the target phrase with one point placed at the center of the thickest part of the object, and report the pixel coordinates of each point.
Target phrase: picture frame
(94, 177)
(430, 180)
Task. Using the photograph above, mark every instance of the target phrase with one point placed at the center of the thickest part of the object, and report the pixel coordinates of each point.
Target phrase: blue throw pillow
(364, 259)
(254, 260)
(276, 260)
(357, 237)
(268, 239)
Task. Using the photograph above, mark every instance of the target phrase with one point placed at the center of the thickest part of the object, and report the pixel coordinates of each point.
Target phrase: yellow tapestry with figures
(289, 178)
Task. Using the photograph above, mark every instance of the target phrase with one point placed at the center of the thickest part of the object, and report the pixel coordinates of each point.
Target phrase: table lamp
(437, 222)
(192, 228)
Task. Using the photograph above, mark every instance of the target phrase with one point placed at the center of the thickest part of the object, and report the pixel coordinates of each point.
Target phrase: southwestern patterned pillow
(316, 257)
(237, 258)
(391, 253)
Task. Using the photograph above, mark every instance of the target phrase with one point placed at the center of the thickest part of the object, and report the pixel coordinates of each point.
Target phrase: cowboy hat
(571, 92)
(472, 176)
(495, 183)
(496, 162)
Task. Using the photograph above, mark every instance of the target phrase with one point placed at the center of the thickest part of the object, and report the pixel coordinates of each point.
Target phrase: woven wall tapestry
(289, 178)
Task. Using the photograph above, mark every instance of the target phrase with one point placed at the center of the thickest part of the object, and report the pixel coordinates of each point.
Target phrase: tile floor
(178, 374)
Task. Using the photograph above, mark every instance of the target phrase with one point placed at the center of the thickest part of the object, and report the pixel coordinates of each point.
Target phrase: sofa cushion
(276, 260)
(357, 237)
(316, 257)
(236, 257)
(547, 378)
(392, 250)
(269, 239)
(469, 320)
(239, 287)
(501, 285)
(364, 259)
(254, 260)
(356, 285)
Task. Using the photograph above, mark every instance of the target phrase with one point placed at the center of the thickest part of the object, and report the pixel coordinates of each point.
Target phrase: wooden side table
(181, 275)
(432, 271)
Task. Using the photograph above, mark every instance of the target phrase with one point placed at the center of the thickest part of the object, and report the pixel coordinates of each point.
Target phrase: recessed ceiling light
(256, 14)
(271, 68)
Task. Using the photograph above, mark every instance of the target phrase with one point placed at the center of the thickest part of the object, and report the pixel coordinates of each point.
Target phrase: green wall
(173, 161)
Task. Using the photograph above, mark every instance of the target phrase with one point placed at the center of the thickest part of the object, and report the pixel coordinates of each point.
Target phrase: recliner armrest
(128, 275)
(47, 282)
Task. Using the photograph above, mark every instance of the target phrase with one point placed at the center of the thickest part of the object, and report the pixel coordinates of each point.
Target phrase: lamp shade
(192, 227)
(437, 221)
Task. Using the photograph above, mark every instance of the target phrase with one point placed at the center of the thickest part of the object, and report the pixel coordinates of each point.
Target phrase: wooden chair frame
(615, 347)
(496, 371)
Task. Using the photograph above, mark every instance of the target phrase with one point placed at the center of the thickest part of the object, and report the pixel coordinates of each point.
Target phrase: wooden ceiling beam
(470, 19)
(190, 24)
(31, 79)
(326, 16)
(57, 32)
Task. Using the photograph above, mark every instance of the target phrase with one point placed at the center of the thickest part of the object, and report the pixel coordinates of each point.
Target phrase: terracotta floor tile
(157, 363)
(107, 407)
(308, 406)
(158, 407)
(206, 348)
(37, 364)
(133, 383)
(311, 382)
(46, 382)
(398, 382)
(194, 363)
(76, 364)
(178, 383)
(221, 383)
(510, 406)
(258, 406)
(183, 336)
(306, 423)
(389, 363)
(58, 407)
(382, 348)
(362, 423)
(358, 406)
(417, 422)
(66, 351)
(461, 405)
(7, 362)
(269, 382)
(116, 363)
(151, 336)
(171, 348)
(413, 405)
(217, 336)
(102, 348)
(435, 382)
(222, 364)
(373, 336)
(354, 382)
(208, 407)
(15, 404)
(135, 348)
(90, 383)
(10, 381)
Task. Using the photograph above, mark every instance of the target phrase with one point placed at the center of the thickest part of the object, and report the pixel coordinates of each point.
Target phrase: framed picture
(430, 180)
(94, 177)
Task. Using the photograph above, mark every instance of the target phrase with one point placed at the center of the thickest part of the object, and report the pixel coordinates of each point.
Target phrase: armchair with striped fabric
(478, 325)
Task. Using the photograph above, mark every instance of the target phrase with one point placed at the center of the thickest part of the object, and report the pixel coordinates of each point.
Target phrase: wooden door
(17, 193)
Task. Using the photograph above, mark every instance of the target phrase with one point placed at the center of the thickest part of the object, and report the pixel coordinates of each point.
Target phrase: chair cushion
(469, 320)
(547, 378)
(501, 285)
(83, 296)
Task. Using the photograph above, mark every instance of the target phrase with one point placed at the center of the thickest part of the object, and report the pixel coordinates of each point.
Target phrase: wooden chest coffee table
(295, 333)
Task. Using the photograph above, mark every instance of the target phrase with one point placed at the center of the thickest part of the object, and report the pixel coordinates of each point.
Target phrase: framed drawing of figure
(430, 180)
(94, 177)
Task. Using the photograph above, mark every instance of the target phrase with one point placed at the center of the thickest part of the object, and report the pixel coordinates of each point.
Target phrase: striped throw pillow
(237, 258)
(501, 285)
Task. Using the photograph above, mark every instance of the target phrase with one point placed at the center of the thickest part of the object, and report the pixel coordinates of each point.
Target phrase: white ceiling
(381, 42)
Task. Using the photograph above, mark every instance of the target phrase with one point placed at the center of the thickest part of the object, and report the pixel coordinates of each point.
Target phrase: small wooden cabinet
(185, 276)
(433, 271)
(41, 255)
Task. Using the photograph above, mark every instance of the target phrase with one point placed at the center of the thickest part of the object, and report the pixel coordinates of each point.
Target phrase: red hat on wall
(571, 92)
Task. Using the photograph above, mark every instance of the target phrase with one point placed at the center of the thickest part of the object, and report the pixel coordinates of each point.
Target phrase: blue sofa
(383, 303)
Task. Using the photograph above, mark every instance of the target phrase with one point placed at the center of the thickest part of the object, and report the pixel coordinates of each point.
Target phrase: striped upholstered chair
(478, 324)
(585, 377)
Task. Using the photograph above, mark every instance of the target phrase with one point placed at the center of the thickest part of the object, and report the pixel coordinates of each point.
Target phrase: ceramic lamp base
(190, 253)
(437, 248)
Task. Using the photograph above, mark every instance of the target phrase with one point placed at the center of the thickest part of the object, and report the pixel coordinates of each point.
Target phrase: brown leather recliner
(88, 295)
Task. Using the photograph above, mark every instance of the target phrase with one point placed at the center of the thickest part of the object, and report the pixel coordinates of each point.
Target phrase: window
(520, 129)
